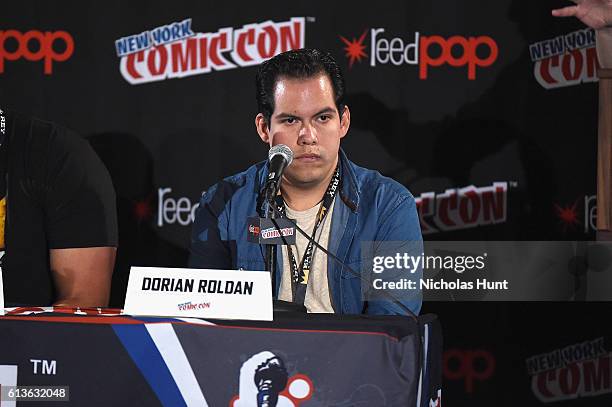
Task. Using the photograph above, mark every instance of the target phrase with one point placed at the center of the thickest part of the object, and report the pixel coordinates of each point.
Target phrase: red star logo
(568, 215)
(355, 48)
(142, 209)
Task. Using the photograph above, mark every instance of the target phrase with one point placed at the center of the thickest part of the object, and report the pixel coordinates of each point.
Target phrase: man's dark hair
(297, 64)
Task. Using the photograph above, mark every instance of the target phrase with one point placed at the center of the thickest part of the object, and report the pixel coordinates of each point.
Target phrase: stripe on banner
(196, 321)
(171, 350)
(423, 373)
(141, 348)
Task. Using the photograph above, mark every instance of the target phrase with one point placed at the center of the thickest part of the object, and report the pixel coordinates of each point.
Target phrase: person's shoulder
(390, 203)
(247, 180)
(41, 133)
(53, 151)
(61, 137)
(248, 176)
(372, 184)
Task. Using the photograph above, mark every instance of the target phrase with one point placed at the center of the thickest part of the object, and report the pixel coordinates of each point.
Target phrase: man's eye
(324, 117)
(290, 120)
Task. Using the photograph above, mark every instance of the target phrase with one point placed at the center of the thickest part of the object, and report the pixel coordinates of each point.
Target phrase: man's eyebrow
(283, 115)
(326, 110)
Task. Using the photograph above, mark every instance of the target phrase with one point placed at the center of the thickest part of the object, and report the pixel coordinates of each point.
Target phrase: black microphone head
(282, 150)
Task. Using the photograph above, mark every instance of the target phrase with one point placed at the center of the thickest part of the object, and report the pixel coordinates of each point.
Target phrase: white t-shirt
(317, 293)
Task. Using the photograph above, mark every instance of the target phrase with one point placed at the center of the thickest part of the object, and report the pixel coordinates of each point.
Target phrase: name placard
(203, 293)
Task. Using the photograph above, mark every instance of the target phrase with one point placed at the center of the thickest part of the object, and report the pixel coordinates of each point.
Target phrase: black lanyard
(299, 275)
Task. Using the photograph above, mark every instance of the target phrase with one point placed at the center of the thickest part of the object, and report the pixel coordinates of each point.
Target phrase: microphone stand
(271, 249)
(271, 265)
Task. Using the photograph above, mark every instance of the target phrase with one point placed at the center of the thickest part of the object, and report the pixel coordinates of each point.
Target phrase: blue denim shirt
(371, 208)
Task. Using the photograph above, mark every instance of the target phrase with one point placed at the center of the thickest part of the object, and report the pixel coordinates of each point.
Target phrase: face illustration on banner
(264, 382)
(306, 119)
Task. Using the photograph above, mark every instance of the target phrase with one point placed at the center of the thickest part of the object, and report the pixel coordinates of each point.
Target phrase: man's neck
(302, 199)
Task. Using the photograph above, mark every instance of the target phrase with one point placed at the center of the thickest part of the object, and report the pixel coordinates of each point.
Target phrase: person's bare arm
(82, 276)
(604, 47)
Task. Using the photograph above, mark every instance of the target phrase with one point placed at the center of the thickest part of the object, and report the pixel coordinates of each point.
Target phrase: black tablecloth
(309, 360)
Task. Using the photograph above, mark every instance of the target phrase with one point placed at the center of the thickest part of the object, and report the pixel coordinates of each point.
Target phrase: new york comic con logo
(422, 51)
(176, 51)
(272, 233)
(575, 371)
(565, 60)
(463, 208)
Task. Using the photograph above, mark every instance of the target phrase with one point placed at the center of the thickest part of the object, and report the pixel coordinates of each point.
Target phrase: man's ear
(262, 128)
(345, 121)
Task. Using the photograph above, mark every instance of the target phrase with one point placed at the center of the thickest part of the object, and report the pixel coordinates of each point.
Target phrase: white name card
(220, 294)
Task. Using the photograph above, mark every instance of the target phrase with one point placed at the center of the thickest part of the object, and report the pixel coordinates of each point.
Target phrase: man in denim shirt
(300, 100)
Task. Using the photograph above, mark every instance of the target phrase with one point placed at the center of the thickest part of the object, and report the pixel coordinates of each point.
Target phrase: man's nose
(307, 135)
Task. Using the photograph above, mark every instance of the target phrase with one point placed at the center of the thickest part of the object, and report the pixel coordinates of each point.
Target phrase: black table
(310, 360)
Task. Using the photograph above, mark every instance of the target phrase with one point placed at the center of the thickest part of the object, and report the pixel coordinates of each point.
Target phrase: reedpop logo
(424, 51)
(469, 366)
(15, 45)
(582, 210)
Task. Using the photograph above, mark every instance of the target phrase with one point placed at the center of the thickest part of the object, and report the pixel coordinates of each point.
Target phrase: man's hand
(82, 276)
(596, 14)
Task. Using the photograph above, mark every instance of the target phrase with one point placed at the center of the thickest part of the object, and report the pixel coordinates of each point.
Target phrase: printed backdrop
(486, 111)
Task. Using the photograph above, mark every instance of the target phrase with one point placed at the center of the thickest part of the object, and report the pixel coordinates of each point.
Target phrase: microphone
(279, 157)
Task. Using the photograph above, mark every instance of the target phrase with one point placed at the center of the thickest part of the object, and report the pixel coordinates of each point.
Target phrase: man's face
(306, 119)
